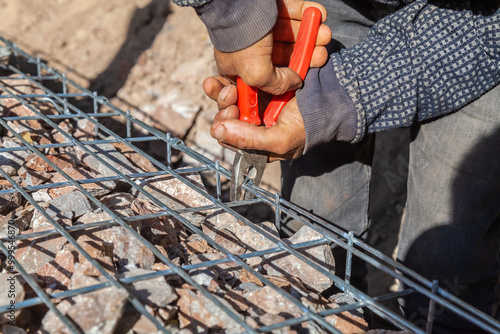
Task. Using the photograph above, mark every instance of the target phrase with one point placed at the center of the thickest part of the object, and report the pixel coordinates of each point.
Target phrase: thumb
(243, 135)
(282, 80)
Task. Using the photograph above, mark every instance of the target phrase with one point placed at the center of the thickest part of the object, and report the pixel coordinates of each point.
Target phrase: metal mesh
(68, 91)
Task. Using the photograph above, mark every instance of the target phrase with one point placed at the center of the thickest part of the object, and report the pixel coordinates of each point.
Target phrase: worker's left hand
(284, 141)
(264, 64)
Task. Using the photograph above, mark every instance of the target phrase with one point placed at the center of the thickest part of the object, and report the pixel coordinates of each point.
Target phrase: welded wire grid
(415, 284)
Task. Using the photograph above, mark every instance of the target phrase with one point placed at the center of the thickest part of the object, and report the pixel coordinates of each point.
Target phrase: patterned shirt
(423, 61)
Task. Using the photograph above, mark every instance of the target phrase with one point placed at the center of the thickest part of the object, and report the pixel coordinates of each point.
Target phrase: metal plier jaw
(250, 164)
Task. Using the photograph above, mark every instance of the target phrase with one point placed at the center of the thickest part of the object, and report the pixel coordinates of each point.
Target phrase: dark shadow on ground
(144, 26)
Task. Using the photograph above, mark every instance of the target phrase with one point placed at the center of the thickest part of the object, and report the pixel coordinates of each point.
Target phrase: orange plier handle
(299, 62)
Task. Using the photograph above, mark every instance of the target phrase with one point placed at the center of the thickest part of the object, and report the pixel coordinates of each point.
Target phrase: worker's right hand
(264, 64)
(283, 141)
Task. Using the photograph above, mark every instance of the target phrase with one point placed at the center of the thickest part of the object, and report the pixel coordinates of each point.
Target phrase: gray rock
(270, 301)
(74, 201)
(95, 313)
(111, 155)
(96, 189)
(33, 254)
(14, 159)
(128, 250)
(10, 170)
(223, 269)
(203, 276)
(283, 264)
(346, 322)
(119, 203)
(95, 216)
(34, 178)
(239, 238)
(155, 292)
(175, 194)
(57, 273)
(41, 196)
(85, 130)
(249, 286)
(195, 308)
(9, 201)
(225, 238)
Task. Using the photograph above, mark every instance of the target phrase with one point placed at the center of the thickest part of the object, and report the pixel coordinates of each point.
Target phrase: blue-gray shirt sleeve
(235, 24)
(421, 62)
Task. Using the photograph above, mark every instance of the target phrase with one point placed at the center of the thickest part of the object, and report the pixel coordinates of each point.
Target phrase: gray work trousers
(451, 227)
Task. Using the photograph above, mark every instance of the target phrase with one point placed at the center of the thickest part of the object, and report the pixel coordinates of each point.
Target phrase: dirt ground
(142, 54)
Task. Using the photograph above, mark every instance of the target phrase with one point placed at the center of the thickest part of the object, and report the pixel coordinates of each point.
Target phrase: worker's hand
(284, 141)
(263, 64)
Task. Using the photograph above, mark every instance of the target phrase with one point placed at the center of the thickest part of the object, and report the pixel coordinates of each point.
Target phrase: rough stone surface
(137, 159)
(57, 273)
(41, 196)
(344, 322)
(128, 250)
(111, 155)
(203, 276)
(21, 217)
(251, 239)
(155, 292)
(222, 269)
(224, 238)
(270, 301)
(97, 312)
(38, 164)
(95, 216)
(281, 264)
(100, 238)
(80, 280)
(144, 326)
(198, 310)
(13, 108)
(95, 247)
(10, 170)
(74, 201)
(9, 201)
(34, 178)
(13, 159)
(175, 194)
(9, 284)
(40, 221)
(33, 254)
(196, 245)
(259, 320)
(104, 261)
(156, 229)
(98, 189)
(66, 126)
(168, 312)
(85, 130)
(120, 204)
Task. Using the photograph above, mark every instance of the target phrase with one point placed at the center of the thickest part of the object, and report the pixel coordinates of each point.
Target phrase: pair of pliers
(250, 164)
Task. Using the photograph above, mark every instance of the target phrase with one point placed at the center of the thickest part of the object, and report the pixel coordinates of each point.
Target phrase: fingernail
(219, 132)
(223, 93)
